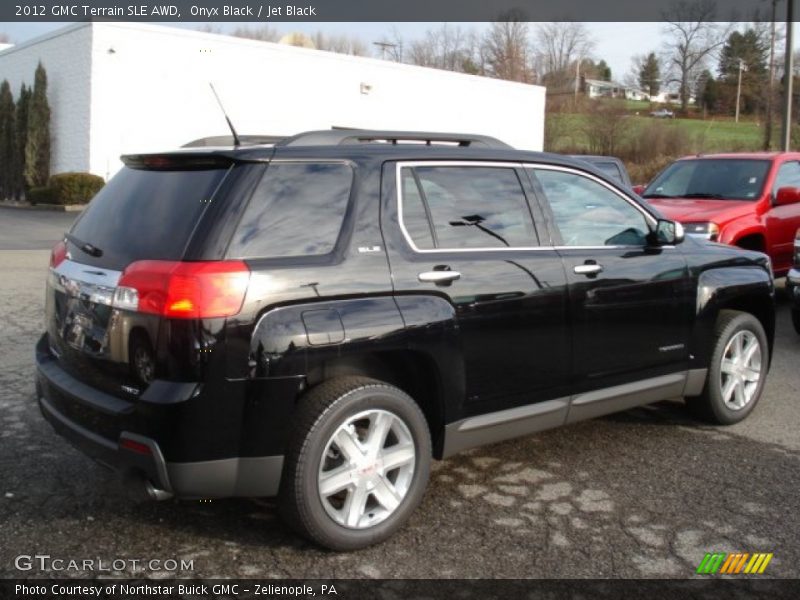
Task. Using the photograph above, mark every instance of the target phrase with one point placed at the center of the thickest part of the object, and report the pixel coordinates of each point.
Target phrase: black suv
(318, 318)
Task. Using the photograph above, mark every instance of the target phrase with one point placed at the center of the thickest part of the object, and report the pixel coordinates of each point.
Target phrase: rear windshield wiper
(84, 246)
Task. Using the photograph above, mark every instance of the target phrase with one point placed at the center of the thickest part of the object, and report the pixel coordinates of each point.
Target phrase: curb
(52, 207)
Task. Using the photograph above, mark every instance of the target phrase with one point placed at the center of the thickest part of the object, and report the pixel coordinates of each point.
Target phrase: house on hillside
(596, 88)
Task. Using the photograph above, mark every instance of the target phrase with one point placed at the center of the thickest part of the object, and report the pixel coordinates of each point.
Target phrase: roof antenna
(236, 140)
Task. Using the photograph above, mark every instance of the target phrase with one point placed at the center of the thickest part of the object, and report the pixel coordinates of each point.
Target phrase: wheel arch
(749, 290)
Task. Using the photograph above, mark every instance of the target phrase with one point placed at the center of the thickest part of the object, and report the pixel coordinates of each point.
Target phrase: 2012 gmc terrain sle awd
(320, 317)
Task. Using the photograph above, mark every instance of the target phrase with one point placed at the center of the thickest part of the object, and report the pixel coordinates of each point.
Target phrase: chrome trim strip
(449, 163)
(91, 283)
(505, 165)
(650, 218)
(511, 414)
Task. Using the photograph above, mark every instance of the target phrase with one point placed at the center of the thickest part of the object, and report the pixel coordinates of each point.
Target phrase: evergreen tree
(23, 102)
(37, 146)
(603, 70)
(650, 75)
(7, 141)
(751, 52)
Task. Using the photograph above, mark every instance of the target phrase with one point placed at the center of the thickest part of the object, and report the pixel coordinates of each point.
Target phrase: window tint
(145, 215)
(470, 207)
(297, 210)
(788, 176)
(589, 214)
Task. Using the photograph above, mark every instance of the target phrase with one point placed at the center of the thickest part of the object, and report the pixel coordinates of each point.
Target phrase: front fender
(740, 288)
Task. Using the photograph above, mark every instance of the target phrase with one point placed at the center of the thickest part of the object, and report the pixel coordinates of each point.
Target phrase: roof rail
(227, 140)
(341, 137)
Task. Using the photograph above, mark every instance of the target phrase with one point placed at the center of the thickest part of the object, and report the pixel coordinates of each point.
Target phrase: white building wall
(117, 88)
(66, 55)
(151, 93)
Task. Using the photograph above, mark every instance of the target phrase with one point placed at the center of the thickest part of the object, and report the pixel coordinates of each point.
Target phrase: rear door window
(145, 214)
(455, 207)
(297, 210)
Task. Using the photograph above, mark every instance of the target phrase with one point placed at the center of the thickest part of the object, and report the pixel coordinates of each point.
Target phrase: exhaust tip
(154, 493)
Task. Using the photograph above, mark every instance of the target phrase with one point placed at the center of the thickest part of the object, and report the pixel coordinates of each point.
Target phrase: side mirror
(787, 195)
(668, 233)
(638, 189)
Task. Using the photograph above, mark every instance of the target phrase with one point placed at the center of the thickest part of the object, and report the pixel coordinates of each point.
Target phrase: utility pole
(788, 75)
(771, 84)
(742, 67)
(384, 46)
(577, 78)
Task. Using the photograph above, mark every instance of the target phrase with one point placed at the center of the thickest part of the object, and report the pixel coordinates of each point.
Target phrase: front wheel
(357, 464)
(738, 369)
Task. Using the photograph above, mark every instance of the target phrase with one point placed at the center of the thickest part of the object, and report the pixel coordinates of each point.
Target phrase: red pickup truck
(749, 200)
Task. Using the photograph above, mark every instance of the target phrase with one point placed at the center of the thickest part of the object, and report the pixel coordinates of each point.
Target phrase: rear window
(144, 215)
(297, 210)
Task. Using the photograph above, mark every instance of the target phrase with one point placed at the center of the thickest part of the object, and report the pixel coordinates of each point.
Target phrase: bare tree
(265, 33)
(342, 44)
(693, 38)
(507, 51)
(559, 45)
(450, 48)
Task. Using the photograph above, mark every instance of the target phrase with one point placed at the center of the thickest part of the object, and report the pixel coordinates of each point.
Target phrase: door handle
(590, 269)
(439, 277)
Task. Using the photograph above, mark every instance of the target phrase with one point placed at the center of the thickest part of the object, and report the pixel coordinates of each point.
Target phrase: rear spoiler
(177, 161)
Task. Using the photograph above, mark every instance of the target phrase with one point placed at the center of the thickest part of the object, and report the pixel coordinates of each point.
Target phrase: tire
(729, 396)
(364, 503)
(796, 319)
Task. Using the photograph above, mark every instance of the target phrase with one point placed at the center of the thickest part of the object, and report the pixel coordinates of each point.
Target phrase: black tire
(710, 405)
(796, 319)
(320, 413)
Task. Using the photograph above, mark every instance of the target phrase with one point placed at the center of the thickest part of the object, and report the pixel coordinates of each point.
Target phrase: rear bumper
(134, 454)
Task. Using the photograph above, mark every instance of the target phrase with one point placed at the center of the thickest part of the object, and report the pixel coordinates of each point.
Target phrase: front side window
(455, 207)
(297, 210)
(590, 214)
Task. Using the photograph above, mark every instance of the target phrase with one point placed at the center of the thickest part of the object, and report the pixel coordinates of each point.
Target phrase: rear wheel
(738, 369)
(796, 319)
(357, 463)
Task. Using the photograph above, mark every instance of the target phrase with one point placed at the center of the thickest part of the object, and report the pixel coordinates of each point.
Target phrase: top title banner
(397, 10)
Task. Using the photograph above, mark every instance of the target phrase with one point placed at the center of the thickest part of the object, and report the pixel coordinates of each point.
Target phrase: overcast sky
(616, 43)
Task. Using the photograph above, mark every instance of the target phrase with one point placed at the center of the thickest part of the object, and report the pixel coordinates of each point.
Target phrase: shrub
(41, 195)
(74, 188)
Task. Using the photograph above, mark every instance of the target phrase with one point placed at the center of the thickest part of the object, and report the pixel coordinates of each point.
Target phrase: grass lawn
(710, 135)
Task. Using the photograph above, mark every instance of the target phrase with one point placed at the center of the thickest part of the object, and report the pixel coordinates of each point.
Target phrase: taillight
(58, 254)
(183, 290)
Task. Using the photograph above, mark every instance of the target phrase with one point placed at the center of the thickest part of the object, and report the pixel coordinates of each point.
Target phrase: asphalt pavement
(645, 493)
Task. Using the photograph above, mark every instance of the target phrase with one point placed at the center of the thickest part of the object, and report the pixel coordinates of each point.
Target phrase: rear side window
(144, 215)
(465, 207)
(297, 210)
